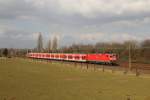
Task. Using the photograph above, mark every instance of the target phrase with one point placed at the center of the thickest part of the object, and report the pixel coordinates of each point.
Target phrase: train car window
(64, 56)
(52, 56)
(114, 55)
(70, 56)
(110, 56)
(47, 55)
(60, 56)
(83, 57)
(77, 57)
(56, 56)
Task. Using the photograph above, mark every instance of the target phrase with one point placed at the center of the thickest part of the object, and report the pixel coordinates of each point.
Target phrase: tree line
(140, 51)
(52, 45)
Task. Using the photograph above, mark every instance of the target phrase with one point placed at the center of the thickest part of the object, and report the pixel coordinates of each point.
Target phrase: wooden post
(137, 73)
(128, 97)
(75, 64)
(103, 69)
(130, 66)
(94, 67)
(87, 66)
(81, 65)
(112, 70)
(125, 70)
(87, 62)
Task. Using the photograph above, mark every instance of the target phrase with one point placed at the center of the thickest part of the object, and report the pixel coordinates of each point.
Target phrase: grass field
(25, 80)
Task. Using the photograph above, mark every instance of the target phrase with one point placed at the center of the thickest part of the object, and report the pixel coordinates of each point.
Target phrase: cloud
(13, 37)
(87, 21)
(133, 23)
(92, 38)
(90, 8)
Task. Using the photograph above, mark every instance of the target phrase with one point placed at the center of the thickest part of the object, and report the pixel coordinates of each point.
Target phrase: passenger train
(102, 58)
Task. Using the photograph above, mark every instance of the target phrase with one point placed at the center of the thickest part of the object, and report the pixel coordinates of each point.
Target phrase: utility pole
(130, 57)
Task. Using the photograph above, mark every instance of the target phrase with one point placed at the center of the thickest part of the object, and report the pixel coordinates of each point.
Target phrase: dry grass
(26, 80)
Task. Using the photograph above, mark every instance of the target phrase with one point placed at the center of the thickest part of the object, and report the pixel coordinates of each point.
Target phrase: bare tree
(146, 43)
(5, 52)
(40, 43)
(55, 43)
(145, 48)
(1, 52)
(132, 43)
(49, 45)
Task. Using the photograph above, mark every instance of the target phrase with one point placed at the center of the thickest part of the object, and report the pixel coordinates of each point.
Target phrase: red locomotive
(105, 58)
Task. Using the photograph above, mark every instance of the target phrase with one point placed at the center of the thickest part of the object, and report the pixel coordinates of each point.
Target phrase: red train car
(95, 58)
(102, 58)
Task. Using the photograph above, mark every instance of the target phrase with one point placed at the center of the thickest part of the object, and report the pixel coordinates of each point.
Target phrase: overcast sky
(73, 21)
